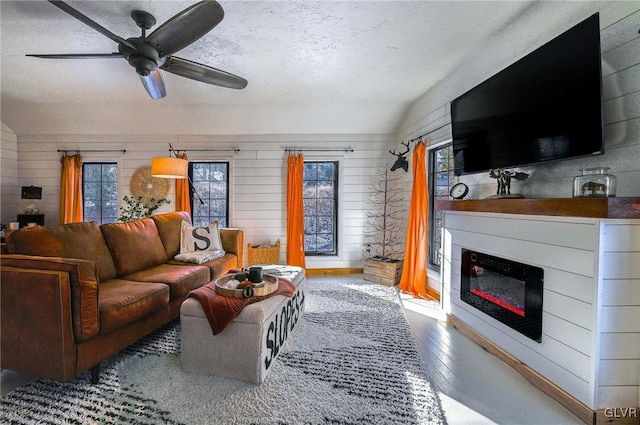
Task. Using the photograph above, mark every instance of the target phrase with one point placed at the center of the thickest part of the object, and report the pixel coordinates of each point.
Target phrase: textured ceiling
(312, 66)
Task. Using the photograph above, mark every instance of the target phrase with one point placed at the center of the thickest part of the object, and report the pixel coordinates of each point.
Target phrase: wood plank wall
(620, 44)
(619, 321)
(257, 178)
(566, 251)
(591, 308)
(10, 189)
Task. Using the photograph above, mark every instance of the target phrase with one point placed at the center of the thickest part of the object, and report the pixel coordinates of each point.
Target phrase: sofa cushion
(199, 238)
(169, 225)
(217, 267)
(134, 245)
(180, 279)
(74, 240)
(232, 242)
(122, 302)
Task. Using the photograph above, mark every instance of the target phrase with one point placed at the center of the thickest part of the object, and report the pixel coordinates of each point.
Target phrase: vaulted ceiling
(313, 66)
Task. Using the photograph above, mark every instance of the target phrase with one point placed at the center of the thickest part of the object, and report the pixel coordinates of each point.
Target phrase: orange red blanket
(221, 310)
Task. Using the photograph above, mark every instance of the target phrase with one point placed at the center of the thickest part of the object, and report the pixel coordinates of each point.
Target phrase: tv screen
(546, 106)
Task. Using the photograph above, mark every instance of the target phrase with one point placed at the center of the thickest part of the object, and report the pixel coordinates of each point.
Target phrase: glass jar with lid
(594, 183)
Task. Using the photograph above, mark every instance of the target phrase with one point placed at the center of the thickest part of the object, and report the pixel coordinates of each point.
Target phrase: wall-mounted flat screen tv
(547, 106)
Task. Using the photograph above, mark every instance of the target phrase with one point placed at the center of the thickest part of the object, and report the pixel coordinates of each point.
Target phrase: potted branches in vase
(383, 237)
(134, 209)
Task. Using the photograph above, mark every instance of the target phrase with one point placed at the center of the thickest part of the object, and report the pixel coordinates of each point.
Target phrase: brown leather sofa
(74, 294)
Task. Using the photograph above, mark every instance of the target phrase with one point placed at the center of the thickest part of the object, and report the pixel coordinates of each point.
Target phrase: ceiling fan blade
(154, 83)
(79, 56)
(204, 73)
(186, 27)
(90, 22)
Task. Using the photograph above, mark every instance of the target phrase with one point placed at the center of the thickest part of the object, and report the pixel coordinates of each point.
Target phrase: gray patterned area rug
(352, 361)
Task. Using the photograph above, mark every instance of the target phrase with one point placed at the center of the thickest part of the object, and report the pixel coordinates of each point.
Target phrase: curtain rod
(429, 132)
(318, 150)
(92, 150)
(171, 149)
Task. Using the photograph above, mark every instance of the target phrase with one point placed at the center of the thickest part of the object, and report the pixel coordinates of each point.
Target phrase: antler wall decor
(401, 162)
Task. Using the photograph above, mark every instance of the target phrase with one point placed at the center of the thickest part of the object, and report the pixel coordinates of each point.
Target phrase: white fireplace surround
(590, 344)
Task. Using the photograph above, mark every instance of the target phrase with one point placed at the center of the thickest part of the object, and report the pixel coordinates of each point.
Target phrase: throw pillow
(199, 257)
(203, 238)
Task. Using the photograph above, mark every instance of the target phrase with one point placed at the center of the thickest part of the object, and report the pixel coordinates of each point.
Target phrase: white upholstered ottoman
(246, 349)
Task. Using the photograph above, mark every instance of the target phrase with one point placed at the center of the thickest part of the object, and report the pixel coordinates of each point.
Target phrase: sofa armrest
(233, 243)
(37, 336)
(82, 286)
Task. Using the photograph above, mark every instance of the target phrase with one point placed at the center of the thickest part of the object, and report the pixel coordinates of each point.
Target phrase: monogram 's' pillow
(199, 257)
(194, 238)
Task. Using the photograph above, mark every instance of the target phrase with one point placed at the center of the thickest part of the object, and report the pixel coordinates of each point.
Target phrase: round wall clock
(148, 187)
(459, 191)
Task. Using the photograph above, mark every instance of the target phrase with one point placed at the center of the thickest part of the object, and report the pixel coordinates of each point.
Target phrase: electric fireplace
(506, 290)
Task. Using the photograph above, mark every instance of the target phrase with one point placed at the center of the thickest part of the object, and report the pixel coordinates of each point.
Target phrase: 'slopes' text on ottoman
(247, 348)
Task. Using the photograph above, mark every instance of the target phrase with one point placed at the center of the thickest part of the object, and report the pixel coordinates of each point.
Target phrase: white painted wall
(619, 23)
(257, 173)
(619, 314)
(258, 192)
(430, 114)
(9, 188)
(591, 304)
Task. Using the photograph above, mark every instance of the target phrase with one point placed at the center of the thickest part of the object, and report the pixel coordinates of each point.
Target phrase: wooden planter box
(387, 273)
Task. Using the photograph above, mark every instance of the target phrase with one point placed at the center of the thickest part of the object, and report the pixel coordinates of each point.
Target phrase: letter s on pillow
(203, 238)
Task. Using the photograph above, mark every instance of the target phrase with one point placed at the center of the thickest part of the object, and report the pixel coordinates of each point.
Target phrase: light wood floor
(474, 386)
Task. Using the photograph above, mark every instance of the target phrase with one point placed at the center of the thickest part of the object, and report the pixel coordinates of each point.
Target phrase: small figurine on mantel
(504, 183)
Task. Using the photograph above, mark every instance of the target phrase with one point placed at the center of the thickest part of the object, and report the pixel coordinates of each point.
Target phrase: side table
(25, 219)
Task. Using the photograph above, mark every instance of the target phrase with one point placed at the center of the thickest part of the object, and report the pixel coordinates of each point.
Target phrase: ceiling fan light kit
(149, 55)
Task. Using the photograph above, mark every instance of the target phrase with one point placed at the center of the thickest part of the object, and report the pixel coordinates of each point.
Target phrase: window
(320, 197)
(211, 200)
(100, 191)
(440, 180)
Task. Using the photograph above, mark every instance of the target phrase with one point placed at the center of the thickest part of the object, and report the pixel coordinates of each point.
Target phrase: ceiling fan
(150, 54)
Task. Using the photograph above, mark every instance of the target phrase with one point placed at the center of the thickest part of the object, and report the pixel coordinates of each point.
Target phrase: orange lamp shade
(169, 168)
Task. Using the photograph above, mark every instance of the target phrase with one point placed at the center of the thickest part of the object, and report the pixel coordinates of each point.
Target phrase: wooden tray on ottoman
(268, 286)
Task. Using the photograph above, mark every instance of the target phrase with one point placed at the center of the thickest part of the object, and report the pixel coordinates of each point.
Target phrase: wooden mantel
(565, 207)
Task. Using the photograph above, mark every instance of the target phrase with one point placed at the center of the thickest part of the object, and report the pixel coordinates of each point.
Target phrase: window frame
(193, 197)
(336, 197)
(435, 216)
(101, 181)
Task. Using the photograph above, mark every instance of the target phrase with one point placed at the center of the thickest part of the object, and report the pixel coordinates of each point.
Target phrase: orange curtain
(71, 189)
(183, 197)
(295, 211)
(414, 269)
